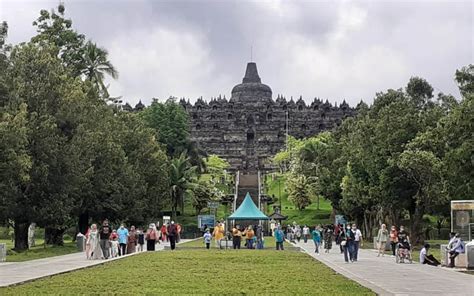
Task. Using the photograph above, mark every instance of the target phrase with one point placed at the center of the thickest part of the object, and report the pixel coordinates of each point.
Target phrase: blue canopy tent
(248, 211)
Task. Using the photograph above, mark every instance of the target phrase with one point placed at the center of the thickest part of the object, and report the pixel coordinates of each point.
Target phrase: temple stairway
(247, 183)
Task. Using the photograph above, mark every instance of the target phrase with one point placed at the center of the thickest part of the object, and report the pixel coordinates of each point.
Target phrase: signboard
(213, 204)
(206, 220)
(166, 219)
(340, 220)
(462, 217)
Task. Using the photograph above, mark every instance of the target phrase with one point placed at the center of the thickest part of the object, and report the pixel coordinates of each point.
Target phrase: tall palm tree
(96, 65)
(183, 179)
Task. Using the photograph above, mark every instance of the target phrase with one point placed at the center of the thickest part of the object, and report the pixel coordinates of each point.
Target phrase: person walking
(123, 238)
(236, 237)
(393, 239)
(381, 240)
(164, 234)
(357, 241)
(207, 239)
(259, 237)
(328, 238)
(172, 234)
(140, 239)
(151, 236)
(178, 232)
(93, 249)
(316, 239)
(279, 238)
(249, 234)
(305, 234)
(218, 234)
(104, 235)
(348, 244)
(132, 240)
(298, 233)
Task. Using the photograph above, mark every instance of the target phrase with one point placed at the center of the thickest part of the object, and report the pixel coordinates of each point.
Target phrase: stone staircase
(247, 183)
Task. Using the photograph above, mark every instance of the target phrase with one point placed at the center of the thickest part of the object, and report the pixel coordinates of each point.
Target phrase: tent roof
(277, 216)
(248, 211)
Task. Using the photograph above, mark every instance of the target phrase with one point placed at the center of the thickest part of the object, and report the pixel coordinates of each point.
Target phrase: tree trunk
(83, 223)
(416, 226)
(21, 235)
(54, 236)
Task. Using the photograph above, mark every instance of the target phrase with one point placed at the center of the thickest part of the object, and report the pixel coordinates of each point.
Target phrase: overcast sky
(333, 50)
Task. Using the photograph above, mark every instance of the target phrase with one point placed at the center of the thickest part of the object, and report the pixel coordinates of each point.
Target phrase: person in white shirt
(357, 241)
(455, 247)
(425, 258)
(305, 233)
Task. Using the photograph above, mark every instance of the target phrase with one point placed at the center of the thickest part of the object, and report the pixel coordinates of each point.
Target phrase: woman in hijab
(93, 249)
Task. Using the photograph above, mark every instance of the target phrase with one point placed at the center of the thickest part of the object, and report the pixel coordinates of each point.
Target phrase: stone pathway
(385, 277)
(12, 273)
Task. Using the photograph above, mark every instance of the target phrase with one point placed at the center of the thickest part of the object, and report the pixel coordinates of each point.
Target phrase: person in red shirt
(164, 233)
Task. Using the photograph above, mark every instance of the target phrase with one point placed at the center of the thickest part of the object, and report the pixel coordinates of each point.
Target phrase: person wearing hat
(172, 233)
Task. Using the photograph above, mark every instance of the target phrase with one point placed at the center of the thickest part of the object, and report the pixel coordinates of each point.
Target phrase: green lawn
(200, 272)
(310, 216)
(38, 252)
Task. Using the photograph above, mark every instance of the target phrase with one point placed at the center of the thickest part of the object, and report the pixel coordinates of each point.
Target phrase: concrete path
(12, 273)
(385, 277)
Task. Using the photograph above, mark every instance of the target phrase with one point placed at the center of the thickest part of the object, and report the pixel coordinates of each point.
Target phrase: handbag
(343, 243)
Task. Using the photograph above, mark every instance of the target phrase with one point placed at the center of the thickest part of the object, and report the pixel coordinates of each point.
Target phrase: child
(207, 239)
(141, 239)
(114, 245)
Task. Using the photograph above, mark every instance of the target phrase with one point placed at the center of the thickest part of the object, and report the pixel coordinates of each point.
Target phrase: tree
(95, 65)
(298, 191)
(55, 29)
(182, 181)
(170, 122)
(425, 169)
(215, 166)
(465, 80)
(203, 193)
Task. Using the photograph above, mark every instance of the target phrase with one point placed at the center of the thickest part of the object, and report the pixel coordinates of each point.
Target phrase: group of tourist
(253, 235)
(106, 242)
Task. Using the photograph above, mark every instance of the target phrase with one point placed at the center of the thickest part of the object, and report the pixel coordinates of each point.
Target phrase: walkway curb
(42, 268)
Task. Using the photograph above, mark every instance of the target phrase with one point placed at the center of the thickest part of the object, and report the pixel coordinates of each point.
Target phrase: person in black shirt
(172, 233)
(104, 236)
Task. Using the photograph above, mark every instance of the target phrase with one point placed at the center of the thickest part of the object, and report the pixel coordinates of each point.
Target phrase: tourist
(357, 241)
(298, 232)
(393, 239)
(236, 237)
(305, 234)
(348, 244)
(328, 234)
(316, 239)
(249, 233)
(178, 232)
(404, 245)
(279, 238)
(381, 240)
(172, 234)
(114, 235)
(290, 233)
(114, 247)
(151, 236)
(341, 237)
(104, 235)
(122, 238)
(93, 250)
(218, 234)
(337, 232)
(259, 237)
(426, 258)
(132, 240)
(207, 239)
(163, 233)
(141, 239)
(455, 247)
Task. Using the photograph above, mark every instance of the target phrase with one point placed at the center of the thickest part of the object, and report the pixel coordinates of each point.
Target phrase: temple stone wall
(250, 127)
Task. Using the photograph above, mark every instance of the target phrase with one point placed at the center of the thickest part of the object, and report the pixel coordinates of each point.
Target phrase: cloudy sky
(335, 49)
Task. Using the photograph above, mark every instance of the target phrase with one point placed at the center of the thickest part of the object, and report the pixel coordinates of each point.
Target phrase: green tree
(183, 179)
(95, 65)
(170, 122)
(298, 191)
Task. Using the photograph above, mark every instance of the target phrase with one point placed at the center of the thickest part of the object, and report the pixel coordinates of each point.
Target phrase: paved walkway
(12, 273)
(385, 277)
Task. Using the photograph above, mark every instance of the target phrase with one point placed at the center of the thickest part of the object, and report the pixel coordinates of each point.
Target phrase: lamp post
(279, 191)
